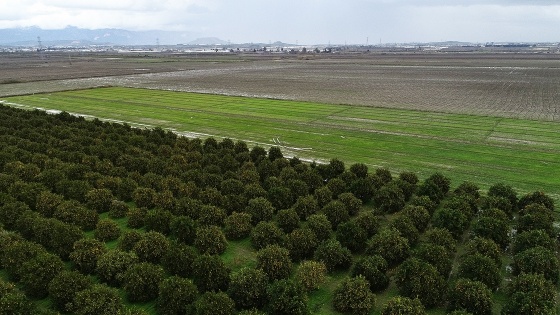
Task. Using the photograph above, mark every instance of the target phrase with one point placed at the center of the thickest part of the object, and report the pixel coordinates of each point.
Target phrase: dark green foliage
(418, 279)
(353, 296)
(485, 247)
(16, 254)
(151, 247)
(472, 296)
(441, 236)
(141, 282)
(437, 255)
(537, 260)
(214, 303)
(210, 273)
(306, 206)
(13, 301)
(73, 212)
(260, 209)
(311, 274)
(538, 197)
(10, 213)
(210, 240)
(335, 168)
(494, 213)
(248, 288)
(406, 228)
(280, 197)
(8, 238)
(333, 255)
(166, 201)
(538, 209)
(424, 201)
(136, 217)
(37, 272)
(107, 230)
(58, 237)
(353, 204)
(237, 225)
(189, 207)
(495, 202)
(73, 189)
(27, 192)
(533, 238)
(274, 153)
(323, 195)
(389, 199)
(419, 216)
(504, 191)
(538, 221)
(64, 287)
(144, 197)
(400, 305)
(374, 270)
(158, 220)
(128, 240)
(384, 175)
(389, 244)
(530, 294)
(112, 266)
(287, 297)
(275, 262)
(469, 189)
(454, 220)
(266, 233)
(494, 229)
(231, 186)
(175, 296)
(336, 212)
(337, 186)
(25, 222)
(352, 236)
(369, 222)
(47, 203)
(320, 225)
(480, 268)
(183, 229)
(86, 253)
(441, 181)
(99, 200)
(118, 209)
(301, 243)
(288, 220)
(360, 169)
(99, 299)
(212, 215)
(179, 259)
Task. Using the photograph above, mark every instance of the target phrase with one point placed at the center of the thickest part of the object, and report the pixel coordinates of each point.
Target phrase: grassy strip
(481, 149)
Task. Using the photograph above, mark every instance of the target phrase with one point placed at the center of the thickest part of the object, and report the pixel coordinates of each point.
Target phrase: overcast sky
(303, 21)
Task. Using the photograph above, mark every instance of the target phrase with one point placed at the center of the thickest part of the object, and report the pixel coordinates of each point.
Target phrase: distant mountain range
(28, 36)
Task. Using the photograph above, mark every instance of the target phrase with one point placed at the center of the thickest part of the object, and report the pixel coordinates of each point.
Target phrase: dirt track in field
(506, 85)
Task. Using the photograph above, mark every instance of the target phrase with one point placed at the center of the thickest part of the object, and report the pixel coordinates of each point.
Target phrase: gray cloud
(305, 21)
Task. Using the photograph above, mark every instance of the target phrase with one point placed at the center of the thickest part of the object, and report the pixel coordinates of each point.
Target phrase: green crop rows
(481, 149)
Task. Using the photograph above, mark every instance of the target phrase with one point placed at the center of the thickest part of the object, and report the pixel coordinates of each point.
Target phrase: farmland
(481, 149)
(429, 183)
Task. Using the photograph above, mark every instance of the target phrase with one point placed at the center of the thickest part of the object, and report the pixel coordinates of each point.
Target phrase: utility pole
(40, 49)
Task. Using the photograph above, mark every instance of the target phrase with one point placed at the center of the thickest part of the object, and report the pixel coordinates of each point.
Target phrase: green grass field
(481, 149)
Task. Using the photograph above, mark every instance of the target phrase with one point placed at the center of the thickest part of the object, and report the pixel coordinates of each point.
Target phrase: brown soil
(507, 85)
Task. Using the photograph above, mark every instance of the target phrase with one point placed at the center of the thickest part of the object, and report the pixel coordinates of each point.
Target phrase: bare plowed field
(507, 85)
